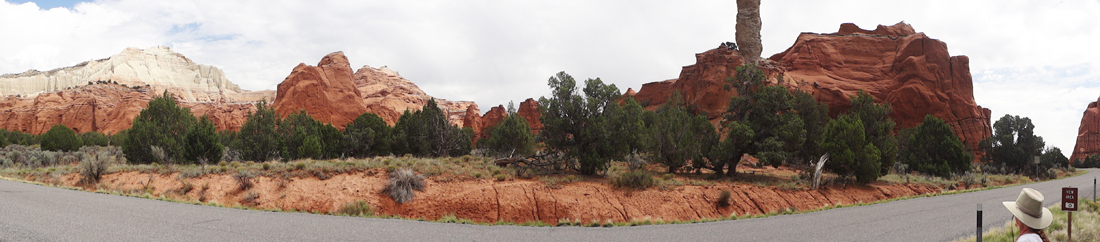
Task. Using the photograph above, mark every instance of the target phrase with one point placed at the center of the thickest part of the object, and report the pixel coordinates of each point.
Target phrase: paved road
(37, 213)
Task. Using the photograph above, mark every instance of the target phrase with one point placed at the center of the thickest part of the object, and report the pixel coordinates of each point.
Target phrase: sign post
(1069, 204)
(979, 222)
(1036, 168)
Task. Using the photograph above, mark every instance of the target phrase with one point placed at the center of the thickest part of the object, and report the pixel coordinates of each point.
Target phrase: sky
(1035, 59)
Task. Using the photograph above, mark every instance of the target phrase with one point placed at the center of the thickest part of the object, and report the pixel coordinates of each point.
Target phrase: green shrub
(589, 126)
(634, 179)
(512, 137)
(61, 138)
(933, 149)
(258, 139)
(850, 154)
(163, 124)
(94, 139)
(368, 135)
(402, 182)
(428, 133)
(203, 144)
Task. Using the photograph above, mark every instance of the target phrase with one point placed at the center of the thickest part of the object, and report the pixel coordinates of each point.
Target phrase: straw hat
(1029, 209)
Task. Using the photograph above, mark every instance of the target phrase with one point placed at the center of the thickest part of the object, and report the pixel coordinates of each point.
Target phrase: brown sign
(1069, 199)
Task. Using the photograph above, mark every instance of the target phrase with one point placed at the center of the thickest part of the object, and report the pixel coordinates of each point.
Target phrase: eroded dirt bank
(490, 200)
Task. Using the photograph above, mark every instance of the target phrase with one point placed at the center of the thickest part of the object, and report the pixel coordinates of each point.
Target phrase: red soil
(513, 201)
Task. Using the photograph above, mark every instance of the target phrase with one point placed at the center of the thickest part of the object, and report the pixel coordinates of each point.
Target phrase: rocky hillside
(895, 64)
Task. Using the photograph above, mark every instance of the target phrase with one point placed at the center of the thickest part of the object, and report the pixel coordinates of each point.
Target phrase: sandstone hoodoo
(1088, 134)
(326, 92)
(894, 64)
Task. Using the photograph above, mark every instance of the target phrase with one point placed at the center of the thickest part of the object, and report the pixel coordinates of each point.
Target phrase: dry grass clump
(93, 166)
(244, 180)
(358, 208)
(402, 182)
(639, 179)
(724, 198)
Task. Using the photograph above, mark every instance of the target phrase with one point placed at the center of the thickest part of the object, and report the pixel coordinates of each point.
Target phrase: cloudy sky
(1030, 58)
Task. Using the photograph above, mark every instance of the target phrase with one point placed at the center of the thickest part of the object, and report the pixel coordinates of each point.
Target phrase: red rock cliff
(1088, 134)
(895, 64)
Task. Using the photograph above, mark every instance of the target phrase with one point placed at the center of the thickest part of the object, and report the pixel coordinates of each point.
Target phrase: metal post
(1069, 227)
(979, 223)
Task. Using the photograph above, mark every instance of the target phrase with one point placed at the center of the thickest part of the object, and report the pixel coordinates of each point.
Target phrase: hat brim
(1033, 222)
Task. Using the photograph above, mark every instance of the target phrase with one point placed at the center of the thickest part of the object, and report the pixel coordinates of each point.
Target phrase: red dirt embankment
(491, 201)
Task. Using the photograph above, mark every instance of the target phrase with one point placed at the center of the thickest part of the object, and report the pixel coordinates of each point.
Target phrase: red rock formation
(386, 89)
(529, 110)
(104, 108)
(472, 119)
(327, 92)
(895, 64)
(1088, 134)
(492, 118)
(481, 124)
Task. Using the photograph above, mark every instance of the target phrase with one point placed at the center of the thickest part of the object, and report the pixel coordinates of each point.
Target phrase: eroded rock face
(159, 67)
(894, 64)
(326, 92)
(386, 89)
(1088, 134)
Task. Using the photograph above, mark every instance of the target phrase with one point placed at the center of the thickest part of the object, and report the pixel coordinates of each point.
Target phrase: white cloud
(495, 51)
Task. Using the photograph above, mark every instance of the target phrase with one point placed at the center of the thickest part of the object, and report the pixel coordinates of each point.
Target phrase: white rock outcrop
(159, 67)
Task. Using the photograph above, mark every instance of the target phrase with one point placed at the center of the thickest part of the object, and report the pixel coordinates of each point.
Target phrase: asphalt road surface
(37, 213)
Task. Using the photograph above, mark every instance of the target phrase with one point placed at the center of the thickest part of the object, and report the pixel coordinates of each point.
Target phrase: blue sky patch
(48, 4)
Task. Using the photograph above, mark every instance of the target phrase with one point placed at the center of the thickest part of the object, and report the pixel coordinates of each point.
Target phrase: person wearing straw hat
(1031, 217)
